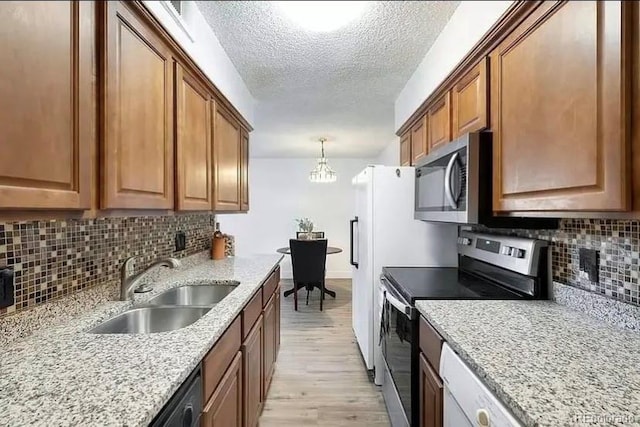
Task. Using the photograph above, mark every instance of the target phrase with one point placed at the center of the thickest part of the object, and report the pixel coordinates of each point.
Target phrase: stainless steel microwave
(448, 180)
(454, 182)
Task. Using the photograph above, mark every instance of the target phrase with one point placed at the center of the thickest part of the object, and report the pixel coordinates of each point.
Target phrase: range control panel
(493, 246)
(513, 253)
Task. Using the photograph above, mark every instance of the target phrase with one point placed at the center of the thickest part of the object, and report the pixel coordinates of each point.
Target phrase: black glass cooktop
(415, 283)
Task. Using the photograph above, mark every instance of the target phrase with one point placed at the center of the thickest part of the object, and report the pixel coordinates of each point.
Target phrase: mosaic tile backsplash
(618, 245)
(55, 258)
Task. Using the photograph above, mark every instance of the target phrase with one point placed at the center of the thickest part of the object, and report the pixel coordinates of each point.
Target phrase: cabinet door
(430, 395)
(47, 104)
(278, 314)
(253, 375)
(137, 152)
(193, 143)
(439, 122)
(419, 140)
(224, 409)
(558, 90)
(405, 149)
(469, 101)
(269, 341)
(244, 167)
(227, 165)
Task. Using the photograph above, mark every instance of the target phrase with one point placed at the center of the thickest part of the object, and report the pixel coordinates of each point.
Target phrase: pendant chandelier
(322, 172)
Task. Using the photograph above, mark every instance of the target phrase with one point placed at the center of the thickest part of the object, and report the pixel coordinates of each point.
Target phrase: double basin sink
(173, 309)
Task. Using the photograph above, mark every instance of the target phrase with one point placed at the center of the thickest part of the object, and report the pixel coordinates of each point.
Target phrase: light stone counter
(62, 375)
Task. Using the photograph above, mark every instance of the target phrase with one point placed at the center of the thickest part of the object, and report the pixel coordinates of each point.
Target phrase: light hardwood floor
(320, 379)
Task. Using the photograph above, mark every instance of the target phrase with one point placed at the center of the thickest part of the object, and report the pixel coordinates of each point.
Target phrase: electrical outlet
(181, 241)
(589, 263)
(6, 287)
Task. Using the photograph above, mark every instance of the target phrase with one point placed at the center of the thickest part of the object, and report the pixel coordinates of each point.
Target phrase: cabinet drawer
(430, 344)
(220, 357)
(251, 313)
(270, 285)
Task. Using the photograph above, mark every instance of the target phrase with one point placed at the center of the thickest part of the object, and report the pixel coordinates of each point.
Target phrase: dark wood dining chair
(309, 259)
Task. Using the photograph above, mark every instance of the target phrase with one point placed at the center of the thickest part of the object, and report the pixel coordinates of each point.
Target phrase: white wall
(390, 156)
(470, 21)
(205, 49)
(280, 191)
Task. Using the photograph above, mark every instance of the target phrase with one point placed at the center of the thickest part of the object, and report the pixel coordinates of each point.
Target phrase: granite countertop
(551, 365)
(66, 376)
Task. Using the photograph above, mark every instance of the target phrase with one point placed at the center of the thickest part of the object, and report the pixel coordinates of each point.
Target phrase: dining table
(330, 251)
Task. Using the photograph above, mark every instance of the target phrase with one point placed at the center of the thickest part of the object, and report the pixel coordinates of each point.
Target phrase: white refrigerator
(385, 233)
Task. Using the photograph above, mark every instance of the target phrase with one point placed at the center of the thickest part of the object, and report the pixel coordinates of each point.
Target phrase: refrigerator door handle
(351, 260)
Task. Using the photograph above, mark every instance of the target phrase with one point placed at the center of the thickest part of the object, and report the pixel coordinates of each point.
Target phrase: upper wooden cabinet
(439, 122)
(194, 189)
(137, 151)
(405, 149)
(559, 110)
(469, 101)
(244, 170)
(419, 140)
(47, 104)
(227, 161)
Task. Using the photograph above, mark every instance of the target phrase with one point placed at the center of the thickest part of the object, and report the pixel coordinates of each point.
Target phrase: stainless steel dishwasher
(185, 407)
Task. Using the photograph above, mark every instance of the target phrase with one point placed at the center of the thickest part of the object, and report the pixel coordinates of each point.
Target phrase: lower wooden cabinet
(224, 409)
(278, 306)
(430, 395)
(253, 374)
(269, 341)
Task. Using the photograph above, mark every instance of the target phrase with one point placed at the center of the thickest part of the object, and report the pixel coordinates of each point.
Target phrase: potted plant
(306, 226)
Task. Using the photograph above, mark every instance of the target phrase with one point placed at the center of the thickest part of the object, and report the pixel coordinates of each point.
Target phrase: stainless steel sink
(194, 295)
(145, 320)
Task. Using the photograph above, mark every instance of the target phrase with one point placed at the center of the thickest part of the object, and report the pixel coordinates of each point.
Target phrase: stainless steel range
(490, 267)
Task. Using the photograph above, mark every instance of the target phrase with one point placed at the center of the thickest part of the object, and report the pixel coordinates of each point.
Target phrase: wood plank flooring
(320, 379)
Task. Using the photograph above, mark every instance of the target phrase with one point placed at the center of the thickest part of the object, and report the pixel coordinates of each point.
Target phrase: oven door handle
(401, 306)
(448, 191)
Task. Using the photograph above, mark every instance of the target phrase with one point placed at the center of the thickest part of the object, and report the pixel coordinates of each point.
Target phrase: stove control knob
(464, 241)
(482, 416)
(506, 250)
(517, 253)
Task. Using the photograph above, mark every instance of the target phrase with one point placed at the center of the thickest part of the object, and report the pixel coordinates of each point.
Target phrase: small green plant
(305, 225)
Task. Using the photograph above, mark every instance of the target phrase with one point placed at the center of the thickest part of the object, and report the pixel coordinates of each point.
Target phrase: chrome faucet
(129, 284)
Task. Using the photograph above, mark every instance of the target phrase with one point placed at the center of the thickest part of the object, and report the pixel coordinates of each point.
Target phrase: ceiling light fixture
(322, 172)
(322, 16)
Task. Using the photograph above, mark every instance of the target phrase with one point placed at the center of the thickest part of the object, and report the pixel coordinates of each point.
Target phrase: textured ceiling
(340, 84)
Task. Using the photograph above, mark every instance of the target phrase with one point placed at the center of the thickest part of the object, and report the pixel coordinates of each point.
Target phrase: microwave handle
(448, 191)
